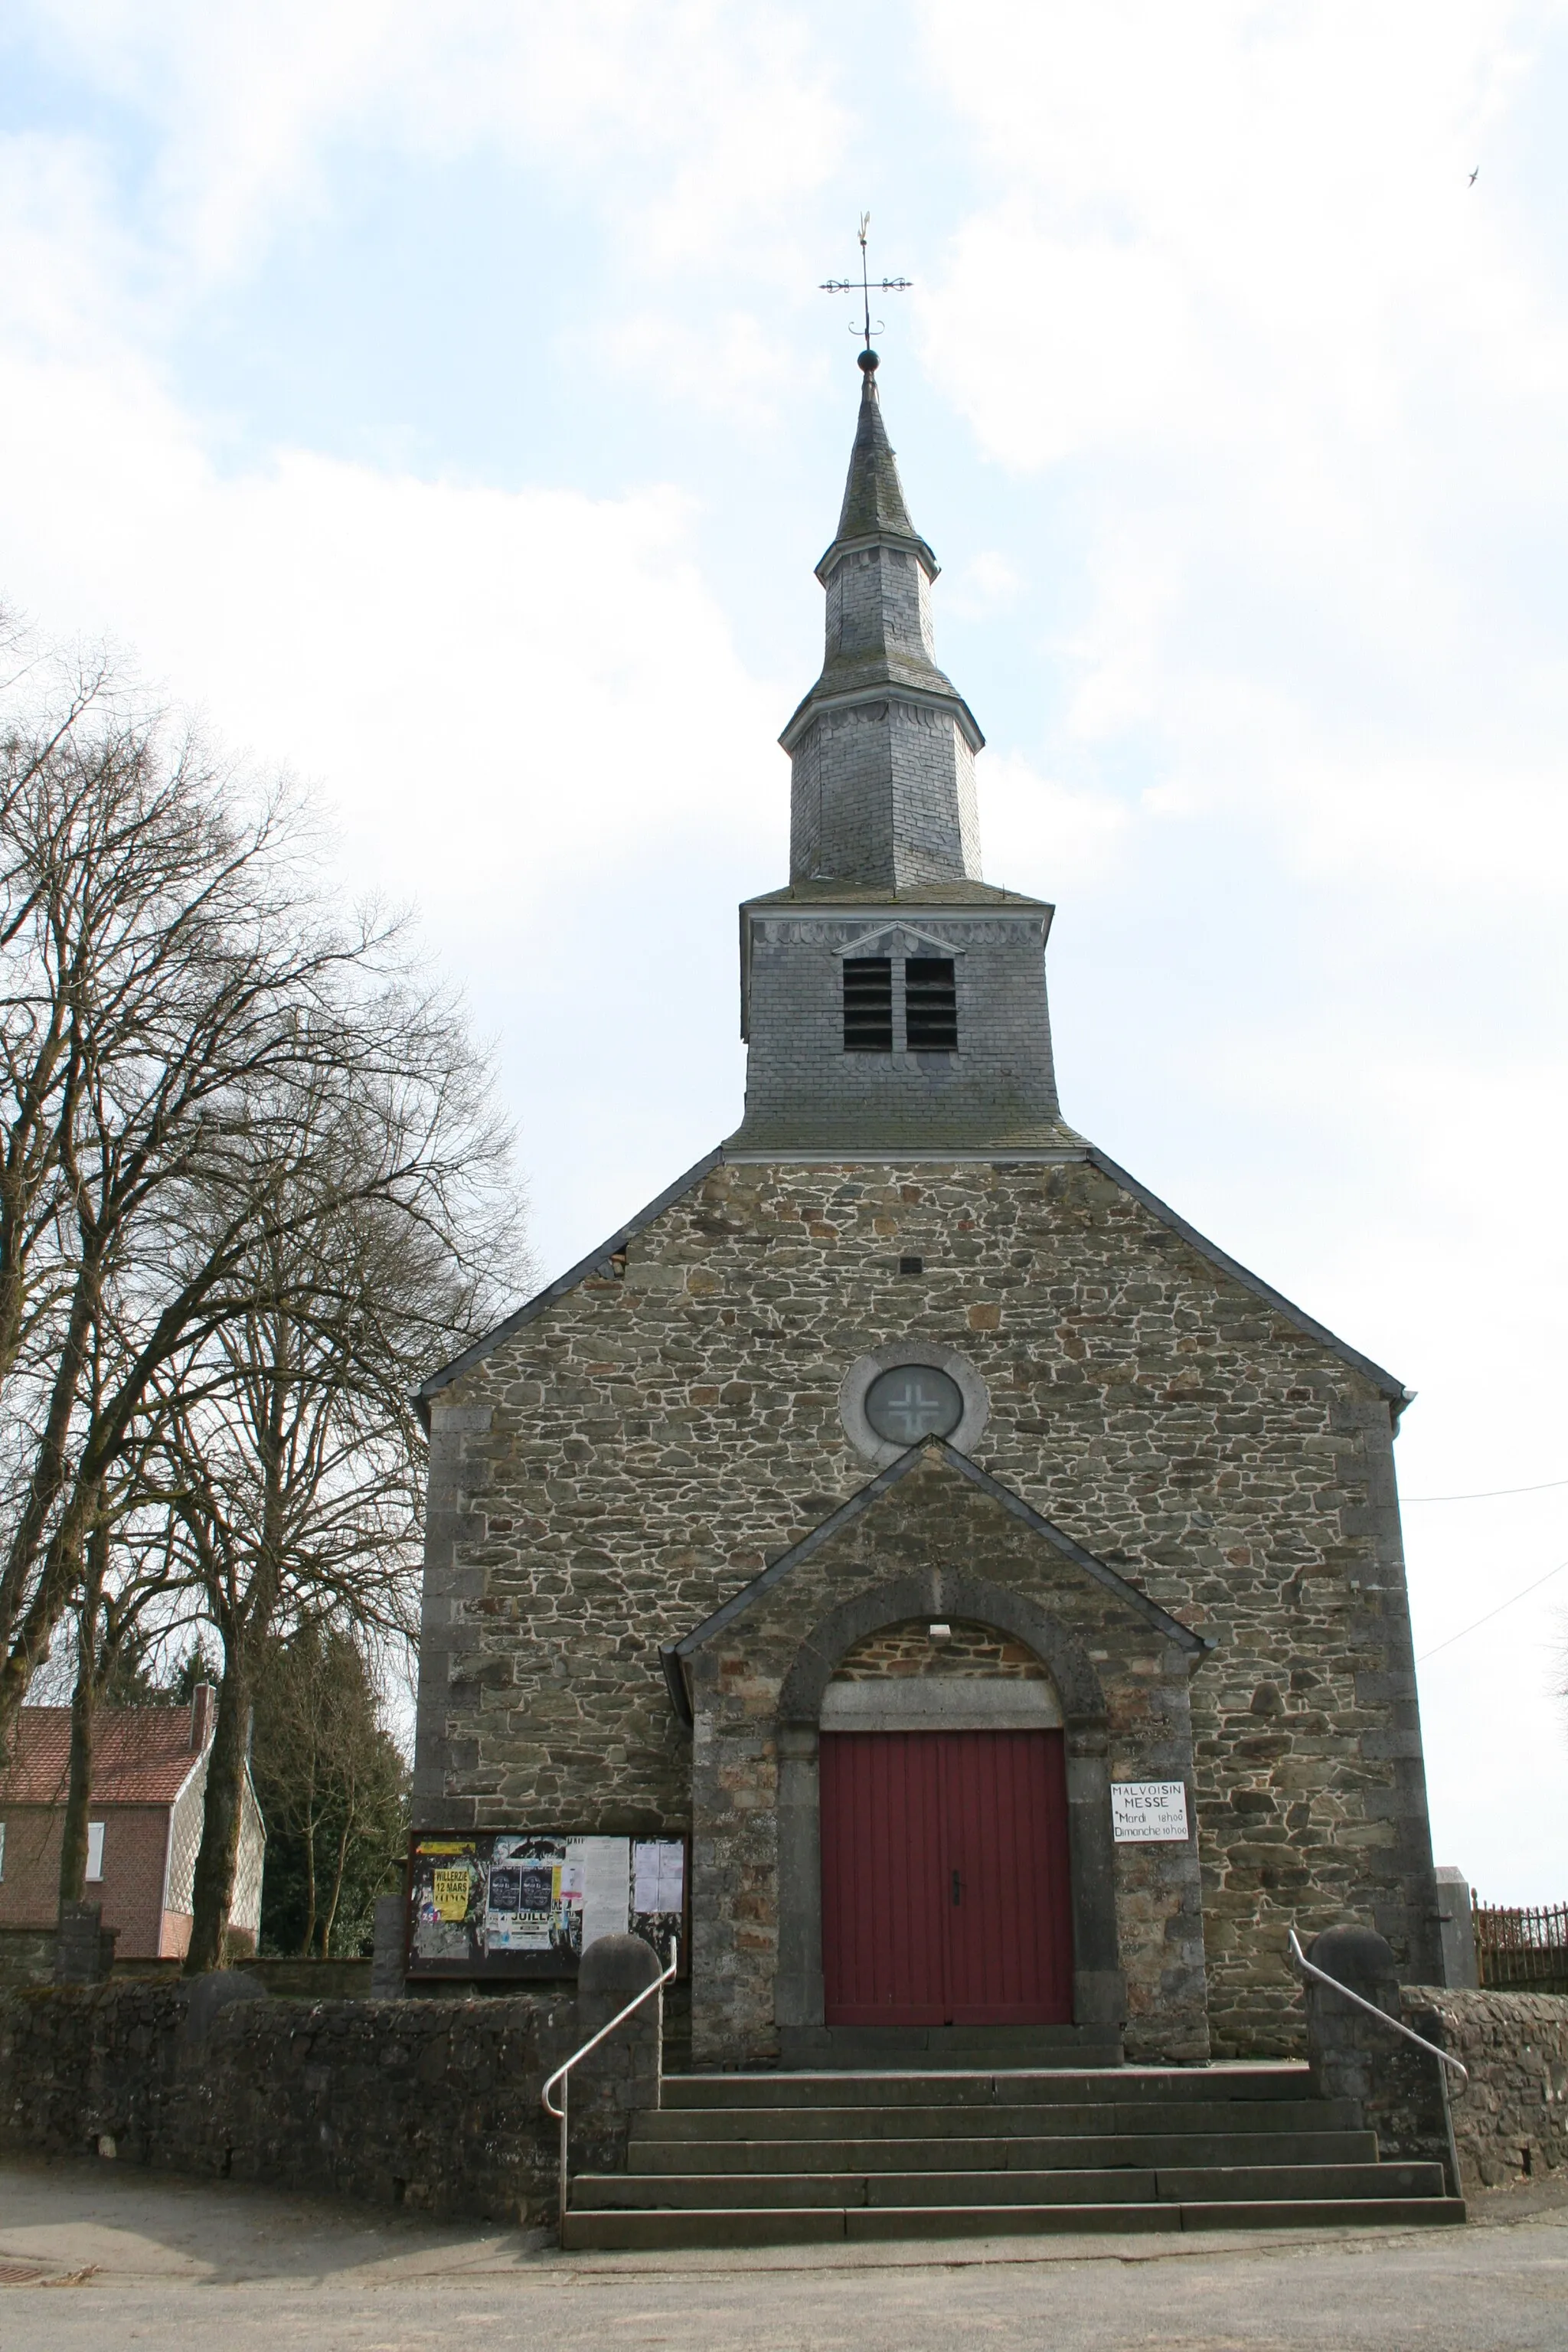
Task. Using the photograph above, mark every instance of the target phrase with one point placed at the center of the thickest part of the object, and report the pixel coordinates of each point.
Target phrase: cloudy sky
(441, 401)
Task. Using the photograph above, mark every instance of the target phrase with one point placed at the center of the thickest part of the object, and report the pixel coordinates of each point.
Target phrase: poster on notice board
(506, 1904)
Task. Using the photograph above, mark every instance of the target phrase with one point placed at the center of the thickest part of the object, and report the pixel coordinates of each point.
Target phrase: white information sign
(605, 1865)
(1149, 1812)
(658, 1870)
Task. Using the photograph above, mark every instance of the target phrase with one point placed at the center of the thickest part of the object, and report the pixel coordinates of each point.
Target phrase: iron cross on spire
(881, 285)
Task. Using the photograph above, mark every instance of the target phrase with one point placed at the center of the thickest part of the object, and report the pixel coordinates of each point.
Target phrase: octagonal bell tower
(893, 1003)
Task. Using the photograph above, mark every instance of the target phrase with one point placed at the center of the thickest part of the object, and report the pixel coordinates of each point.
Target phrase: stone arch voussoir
(944, 1593)
(1099, 1986)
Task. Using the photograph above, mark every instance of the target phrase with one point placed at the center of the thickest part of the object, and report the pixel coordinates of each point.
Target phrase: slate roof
(954, 890)
(874, 504)
(874, 511)
(141, 1756)
(845, 679)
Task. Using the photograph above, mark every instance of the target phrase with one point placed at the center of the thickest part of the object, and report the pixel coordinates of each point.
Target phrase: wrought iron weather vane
(866, 287)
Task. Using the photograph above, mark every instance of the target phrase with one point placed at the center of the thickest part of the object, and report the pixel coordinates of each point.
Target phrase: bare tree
(171, 988)
(294, 1455)
(135, 1592)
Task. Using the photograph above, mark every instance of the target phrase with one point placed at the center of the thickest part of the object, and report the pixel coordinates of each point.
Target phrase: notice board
(506, 1903)
(1149, 1812)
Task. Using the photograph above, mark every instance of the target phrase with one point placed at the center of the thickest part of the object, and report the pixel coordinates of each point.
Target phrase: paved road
(93, 2258)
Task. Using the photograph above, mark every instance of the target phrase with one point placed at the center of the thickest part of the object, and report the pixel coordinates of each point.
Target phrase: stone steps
(760, 2160)
(1183, 2184)
(731, 2226)
(1040, 2121)
(990, 2087)
(1092, 2151)
(862, 2047)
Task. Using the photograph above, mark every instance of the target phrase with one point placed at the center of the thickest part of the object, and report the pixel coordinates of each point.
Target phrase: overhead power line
(1489, 1495)
(1493, 1613)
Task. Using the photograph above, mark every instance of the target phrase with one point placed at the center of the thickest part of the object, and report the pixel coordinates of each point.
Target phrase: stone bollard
(623, 2075)
(209, 1995)
(388, 1963)
(1457, 1929)
(1346, 2048)
(1400, 2090)
(84, 1948)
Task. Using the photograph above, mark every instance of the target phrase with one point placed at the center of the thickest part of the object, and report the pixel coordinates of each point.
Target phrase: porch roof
(675, 1656)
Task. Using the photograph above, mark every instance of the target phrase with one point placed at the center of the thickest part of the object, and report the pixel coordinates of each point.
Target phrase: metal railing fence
(1521, 1950)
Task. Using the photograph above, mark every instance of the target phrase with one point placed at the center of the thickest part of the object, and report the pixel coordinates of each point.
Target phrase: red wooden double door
(945, 1878)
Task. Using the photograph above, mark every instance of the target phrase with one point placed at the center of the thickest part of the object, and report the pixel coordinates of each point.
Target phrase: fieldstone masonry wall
(27, 1956)
(636, 1451)
(899, 1652)
(433, 2104)
(1511, 2122)
(1508, 2123)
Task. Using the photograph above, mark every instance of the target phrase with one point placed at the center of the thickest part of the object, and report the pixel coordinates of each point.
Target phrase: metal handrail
(561, 2073)
(1382, 2015)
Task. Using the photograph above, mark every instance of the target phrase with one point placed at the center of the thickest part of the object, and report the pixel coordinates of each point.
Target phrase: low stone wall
(27, 1956)
(1510, 2122)
(296, 1980)
(433, 2104)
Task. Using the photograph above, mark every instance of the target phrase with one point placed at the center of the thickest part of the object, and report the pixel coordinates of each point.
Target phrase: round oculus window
(912, 1401)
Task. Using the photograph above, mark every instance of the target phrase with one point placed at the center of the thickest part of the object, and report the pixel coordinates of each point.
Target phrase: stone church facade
(907, 1491)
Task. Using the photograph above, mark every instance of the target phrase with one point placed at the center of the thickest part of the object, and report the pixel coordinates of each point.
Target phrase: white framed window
(95, 1849)
(1, 1849)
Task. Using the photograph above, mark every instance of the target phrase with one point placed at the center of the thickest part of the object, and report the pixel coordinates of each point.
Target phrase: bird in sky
(1475, 176)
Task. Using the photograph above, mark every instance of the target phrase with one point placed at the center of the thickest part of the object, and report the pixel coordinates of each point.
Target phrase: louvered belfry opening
(930, 1005)
(867, 1004)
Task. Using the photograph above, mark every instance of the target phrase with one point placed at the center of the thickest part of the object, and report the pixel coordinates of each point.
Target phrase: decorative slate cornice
(892, 684)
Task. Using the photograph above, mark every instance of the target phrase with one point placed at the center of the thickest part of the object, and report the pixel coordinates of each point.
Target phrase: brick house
(997, 1588)
(148, 1782)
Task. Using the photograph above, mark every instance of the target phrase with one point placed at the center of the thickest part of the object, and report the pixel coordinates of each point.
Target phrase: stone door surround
(1099, 1986)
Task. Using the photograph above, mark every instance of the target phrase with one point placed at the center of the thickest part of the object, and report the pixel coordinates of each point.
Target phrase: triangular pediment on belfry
(897, 930)
(677, 1655)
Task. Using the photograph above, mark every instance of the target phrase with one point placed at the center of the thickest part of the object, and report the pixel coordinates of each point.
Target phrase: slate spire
(882, 748)
(873, 494)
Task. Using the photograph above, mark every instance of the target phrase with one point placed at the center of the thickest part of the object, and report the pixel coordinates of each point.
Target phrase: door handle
(957, 1887)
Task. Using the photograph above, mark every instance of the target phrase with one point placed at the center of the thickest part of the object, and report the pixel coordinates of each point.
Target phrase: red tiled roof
(141, 1755)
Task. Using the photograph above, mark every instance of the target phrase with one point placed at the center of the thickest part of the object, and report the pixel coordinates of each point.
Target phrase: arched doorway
(946, 1860)
(1099, 1993)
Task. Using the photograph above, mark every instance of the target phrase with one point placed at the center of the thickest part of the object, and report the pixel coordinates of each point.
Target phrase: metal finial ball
(866, 359)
